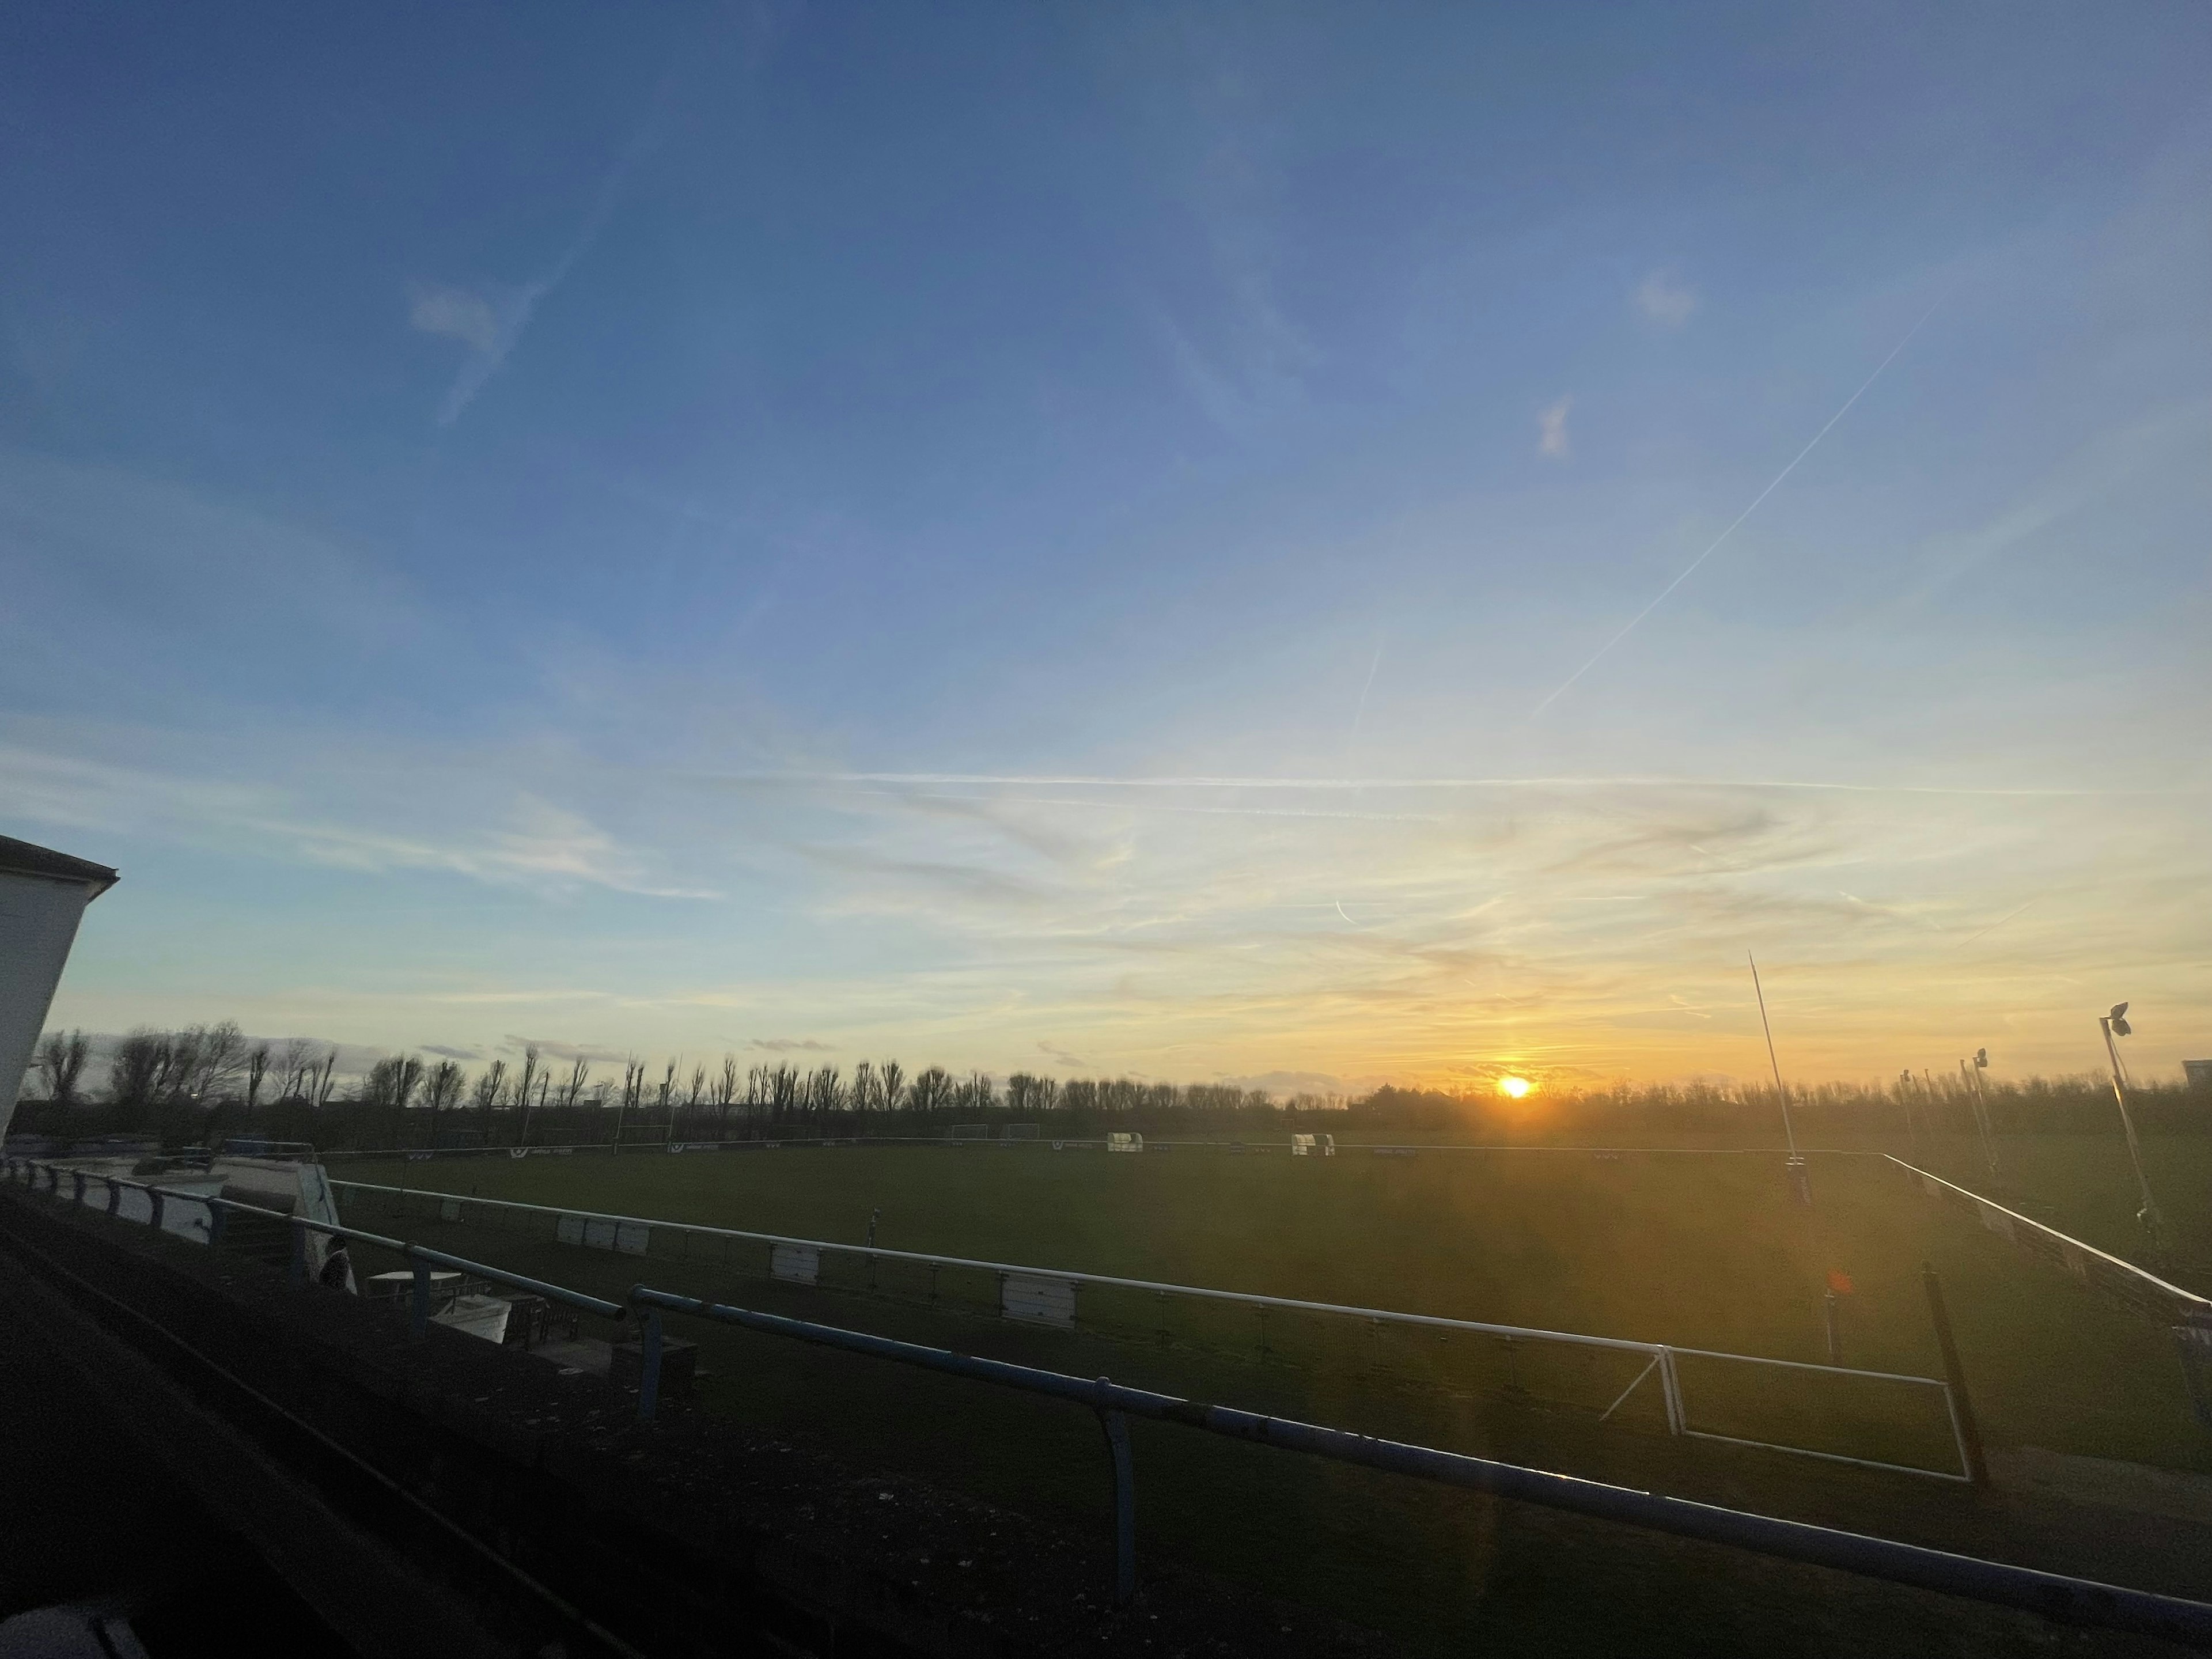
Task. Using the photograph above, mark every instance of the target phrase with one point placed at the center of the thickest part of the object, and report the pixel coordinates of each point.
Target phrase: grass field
(1696, 1250)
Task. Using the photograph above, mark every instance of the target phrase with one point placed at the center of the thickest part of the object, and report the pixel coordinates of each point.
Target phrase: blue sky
(1094, 540)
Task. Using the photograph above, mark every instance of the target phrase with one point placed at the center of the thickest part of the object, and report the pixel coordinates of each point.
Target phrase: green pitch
(1694, 1250)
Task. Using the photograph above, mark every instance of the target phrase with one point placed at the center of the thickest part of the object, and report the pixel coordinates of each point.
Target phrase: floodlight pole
(1979, 1106)
(1781, 1094)
(2153, 1222)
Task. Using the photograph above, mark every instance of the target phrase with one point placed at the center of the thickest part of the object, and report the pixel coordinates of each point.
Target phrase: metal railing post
(218, 1213)
(1116, 1426)
(76, 1180)
(1963, 1426)
(649, 1380)
(114, 1196)
(1670, 1384)
(418, 1322)
(298, 1270)
(154, 1196)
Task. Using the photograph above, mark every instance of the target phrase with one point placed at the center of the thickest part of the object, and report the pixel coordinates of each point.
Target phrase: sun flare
(1513, 1088)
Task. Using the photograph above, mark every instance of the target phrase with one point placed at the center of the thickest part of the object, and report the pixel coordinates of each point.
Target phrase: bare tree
(330, 1073)
(257, 1069)
(633, 1091)
(725, 1095)
(489, 1084)
(61, 1063)
(930, 1091)
(135, 1075)
(391, 1084)
(297, 1066)
(528, 1080)
(783, 1086)
(579, 1073)
(441, 1092)
(545, 1089)
(891, 1080)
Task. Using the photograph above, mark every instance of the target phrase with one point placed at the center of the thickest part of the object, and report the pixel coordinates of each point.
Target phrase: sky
(1305, 546)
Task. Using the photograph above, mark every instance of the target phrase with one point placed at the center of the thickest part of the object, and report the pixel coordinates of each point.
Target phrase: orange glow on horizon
(1513, 1087)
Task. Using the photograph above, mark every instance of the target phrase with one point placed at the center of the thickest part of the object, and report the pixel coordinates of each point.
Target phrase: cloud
(444, 1052)
(554, 1048)
(792, 1045)
(548, 848)
(1665, 301)
(457, 313)
(1552, 430)
(1067, 1057)
(489, 324)
(1283, 1084)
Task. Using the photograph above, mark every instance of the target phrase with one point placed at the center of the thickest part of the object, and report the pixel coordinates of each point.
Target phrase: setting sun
(1513, 1087)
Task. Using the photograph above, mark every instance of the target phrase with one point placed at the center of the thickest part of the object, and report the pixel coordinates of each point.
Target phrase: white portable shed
(42, 895)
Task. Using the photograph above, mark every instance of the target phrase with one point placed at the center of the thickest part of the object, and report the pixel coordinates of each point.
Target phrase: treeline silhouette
(204, 1084)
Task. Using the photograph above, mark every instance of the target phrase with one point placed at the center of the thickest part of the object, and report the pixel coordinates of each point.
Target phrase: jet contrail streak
(1360, 714)
(1689, 568)
(1096, 780)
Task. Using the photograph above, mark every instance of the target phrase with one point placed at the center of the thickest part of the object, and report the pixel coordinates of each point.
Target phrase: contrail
(1742, 516)
(1360, 714)
(1632, 781)
(1994, 926)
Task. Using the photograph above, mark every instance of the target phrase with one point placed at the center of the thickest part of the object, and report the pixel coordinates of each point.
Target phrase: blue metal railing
(2055, 1596)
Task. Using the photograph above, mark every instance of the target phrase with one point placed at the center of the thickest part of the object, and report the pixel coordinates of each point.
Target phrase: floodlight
(2115, 1024)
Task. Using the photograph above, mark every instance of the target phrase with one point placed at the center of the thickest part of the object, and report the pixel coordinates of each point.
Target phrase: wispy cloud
(457, 313)
(792, 1045)
(1552, 430)
(488, 321)
(1666, 300)
(539, 845)
(555, 1048)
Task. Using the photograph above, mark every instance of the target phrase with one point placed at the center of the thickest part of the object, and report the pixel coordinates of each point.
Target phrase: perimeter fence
(2053, 1595)
(1879, 1420)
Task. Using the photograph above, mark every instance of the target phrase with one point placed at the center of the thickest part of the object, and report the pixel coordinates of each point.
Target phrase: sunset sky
(1305, 546)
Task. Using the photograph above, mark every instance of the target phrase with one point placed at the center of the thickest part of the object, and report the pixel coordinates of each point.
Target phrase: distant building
(42, 895)
(2199, 1072)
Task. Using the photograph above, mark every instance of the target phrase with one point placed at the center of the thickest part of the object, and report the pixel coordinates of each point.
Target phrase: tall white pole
(2153, 1221)
(1781, 1093)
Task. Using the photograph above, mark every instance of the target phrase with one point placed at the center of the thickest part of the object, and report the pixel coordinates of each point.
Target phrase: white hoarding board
(1040, 1301)
(800, 1263)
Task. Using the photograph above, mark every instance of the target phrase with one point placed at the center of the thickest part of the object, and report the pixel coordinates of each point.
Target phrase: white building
(42, 895)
